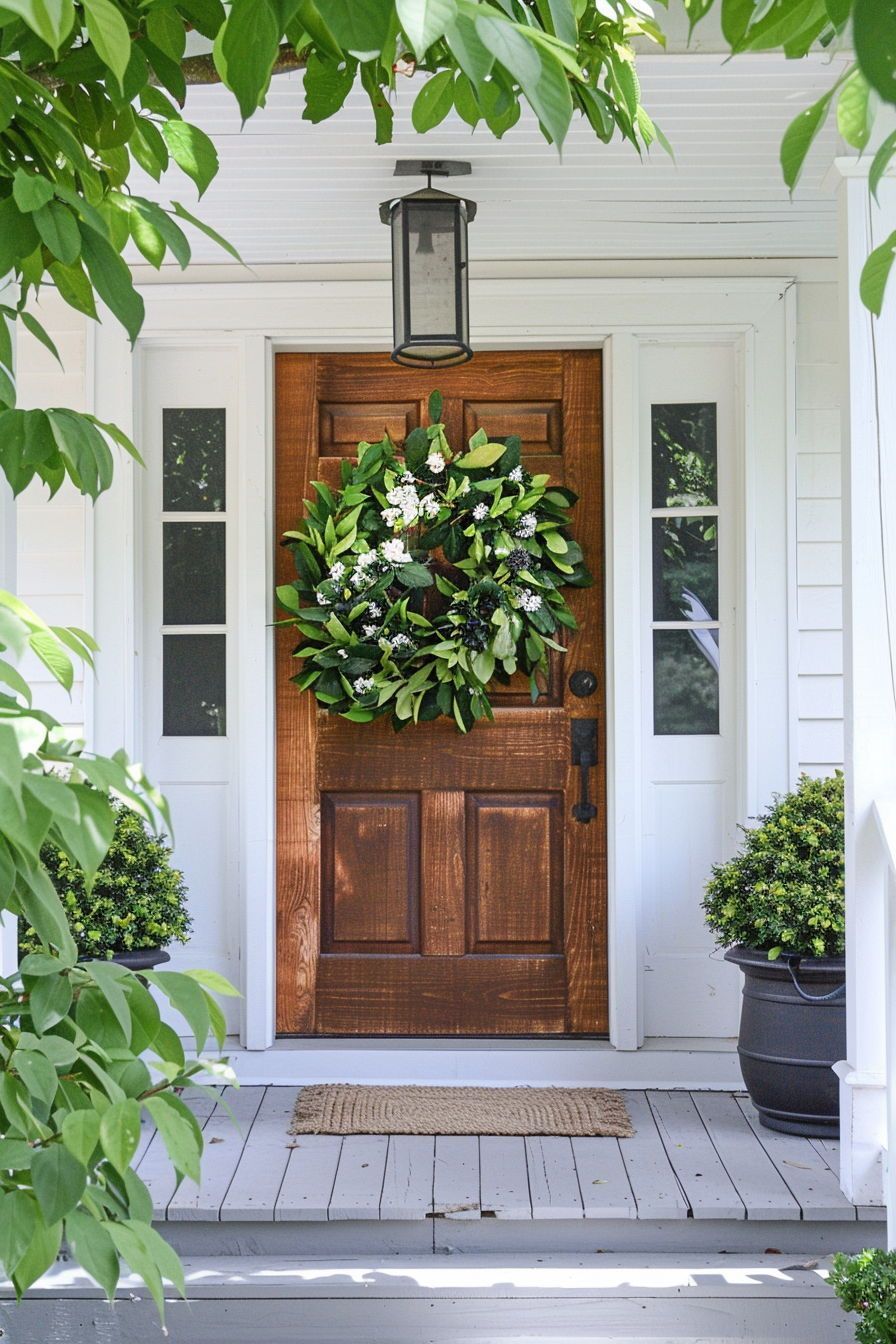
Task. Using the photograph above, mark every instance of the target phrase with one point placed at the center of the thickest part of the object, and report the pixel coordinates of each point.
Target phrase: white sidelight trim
(869, 575)
(526, 310)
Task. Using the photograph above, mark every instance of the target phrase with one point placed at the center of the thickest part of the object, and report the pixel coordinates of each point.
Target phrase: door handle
(583, 741)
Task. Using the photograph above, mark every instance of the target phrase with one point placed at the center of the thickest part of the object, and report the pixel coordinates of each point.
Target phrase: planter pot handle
(792, 961)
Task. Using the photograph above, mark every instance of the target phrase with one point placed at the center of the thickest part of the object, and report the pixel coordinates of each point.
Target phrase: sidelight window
(685, 550)
(194, 593)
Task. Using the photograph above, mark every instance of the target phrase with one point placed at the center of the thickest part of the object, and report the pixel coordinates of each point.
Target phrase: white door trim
(521, 312)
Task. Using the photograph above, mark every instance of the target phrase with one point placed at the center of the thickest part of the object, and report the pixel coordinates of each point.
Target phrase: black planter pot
(142, 958)
(788, 1042)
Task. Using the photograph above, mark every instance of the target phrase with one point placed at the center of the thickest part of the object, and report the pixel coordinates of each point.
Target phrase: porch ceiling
(292, 192)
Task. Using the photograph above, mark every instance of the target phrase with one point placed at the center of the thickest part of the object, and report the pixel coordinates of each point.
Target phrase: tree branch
(201, 69)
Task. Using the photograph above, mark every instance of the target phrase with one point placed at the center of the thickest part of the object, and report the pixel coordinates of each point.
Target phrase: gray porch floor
(700, 1172)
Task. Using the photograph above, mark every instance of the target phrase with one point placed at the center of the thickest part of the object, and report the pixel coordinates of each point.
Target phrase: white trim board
(618, 313)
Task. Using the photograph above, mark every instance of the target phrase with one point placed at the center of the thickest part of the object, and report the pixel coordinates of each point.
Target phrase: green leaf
(187, 998)
(18, 1215)
(39, 332)
(875, 274)
(192, 151)
(327, 85)
(853, 121)
(434, 101)
(180, 1134)
(58, 231)
(359, 26)
(42, 1251)
(37, 1073)
(249, 44)
(183, 213)
(874, 37)
(94, 1249)
(120, 1133)
(109, 35)
(425, 21)
(799, 136)
(218, 984)
(470, 52)
(881, 162)
(540, 75)
(74, 287)
(59, 1181)
(52, 20)
(30, 190)
(563, 21)
(414, 575)
(382, 108)
(49, 999)
(435, 407)
(81, 1134)
(483, 455)
(112, 281)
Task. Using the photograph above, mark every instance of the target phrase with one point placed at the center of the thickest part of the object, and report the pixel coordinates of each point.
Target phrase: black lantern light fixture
(430, 292)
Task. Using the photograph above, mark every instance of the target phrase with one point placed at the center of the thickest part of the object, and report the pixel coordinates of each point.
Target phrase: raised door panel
(370, 872)
(514, 869)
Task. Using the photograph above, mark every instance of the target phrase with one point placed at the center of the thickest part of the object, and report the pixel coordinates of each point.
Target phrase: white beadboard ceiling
(291, 192)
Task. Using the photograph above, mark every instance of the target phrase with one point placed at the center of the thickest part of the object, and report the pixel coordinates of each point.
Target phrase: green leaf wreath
(490, 541)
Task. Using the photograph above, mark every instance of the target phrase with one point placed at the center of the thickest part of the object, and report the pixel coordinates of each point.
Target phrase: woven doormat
(337, 1108)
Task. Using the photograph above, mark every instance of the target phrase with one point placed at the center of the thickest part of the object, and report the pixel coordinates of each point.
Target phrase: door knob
(583, 740)
(583, 682)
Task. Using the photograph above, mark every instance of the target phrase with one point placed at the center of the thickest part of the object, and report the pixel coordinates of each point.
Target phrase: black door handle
(583, 740)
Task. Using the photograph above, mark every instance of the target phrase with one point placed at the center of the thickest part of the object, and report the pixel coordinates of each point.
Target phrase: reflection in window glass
(194, 685)
(685, 569)
(193, 560)
(193, 442)
(684, 455)
(685, 682)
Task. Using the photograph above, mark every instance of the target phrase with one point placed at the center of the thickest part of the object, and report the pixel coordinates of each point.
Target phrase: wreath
(428, 577)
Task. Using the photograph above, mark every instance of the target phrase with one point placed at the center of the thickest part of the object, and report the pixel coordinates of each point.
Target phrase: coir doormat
(579, 1112)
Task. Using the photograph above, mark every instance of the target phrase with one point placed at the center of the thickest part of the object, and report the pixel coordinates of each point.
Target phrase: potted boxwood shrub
(137, 904)
(778, 908)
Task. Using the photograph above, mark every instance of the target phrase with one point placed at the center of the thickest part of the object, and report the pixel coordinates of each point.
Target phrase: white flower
(391, 517)
(368, 631)
(361, 685)
(429, 506)
(516, 475)
(528, 600)
(342, 653)
(395, 553)
(407, 478)
(366, 558)
(399, 641)
(405, 500)
(323, 600)
(480, 512)
(526, 526)
(436, 463)
(374, 609)
(337, 571)
(362, 579)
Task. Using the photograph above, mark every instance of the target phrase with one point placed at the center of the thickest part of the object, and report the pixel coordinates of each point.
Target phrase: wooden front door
(431, 883)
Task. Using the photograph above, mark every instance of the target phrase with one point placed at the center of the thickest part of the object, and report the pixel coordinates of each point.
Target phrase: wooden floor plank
(704, 1180)
(256, 1182)
(805, 1172)
(753, 1174)
(225, 1134)
(155, 1169)
(407, 1185)
(308, 1182)
(504, 1177)
(456, 1177)
(553, 1183)
(359, 1177)
(603, 1181)
(654, 1184)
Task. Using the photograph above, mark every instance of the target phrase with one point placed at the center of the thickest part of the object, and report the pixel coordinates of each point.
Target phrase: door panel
(431, 883)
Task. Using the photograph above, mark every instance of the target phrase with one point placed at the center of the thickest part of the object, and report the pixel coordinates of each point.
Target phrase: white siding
(51, 540)
(819, 646)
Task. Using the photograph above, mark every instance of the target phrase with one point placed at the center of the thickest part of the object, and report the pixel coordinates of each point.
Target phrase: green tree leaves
(425, 21)
(799, 136)
(875, 274)
(874, 35)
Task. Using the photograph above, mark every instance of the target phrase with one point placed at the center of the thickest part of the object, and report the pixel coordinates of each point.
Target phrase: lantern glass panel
(429, 249)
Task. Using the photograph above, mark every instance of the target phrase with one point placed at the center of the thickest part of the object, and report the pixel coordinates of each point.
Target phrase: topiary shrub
(866, 1284)
(784, 891)
(138, 899)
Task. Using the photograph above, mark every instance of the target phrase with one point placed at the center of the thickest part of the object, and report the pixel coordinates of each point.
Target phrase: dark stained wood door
(431, 883)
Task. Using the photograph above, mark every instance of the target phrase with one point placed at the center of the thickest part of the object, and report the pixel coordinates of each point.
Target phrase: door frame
(529, 306)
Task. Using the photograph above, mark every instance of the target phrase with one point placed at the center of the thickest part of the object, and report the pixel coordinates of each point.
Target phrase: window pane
(193, 591)
(685, 681)
(193, 460)
(193, 685)
(684, 455)
(685, 569)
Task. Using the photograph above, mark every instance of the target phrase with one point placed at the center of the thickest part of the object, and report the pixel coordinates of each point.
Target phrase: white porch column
(869, 584)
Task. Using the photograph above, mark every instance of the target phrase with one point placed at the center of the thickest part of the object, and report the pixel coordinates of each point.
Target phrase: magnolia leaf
(30, 190)
(434, 101)
(112, 281)
(59, 1180)
(484, 455)
(109, 35)
(425, 21)
(539, 73)
(192, 151)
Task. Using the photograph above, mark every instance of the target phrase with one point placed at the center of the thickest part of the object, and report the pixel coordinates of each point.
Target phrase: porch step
(470, 1300)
